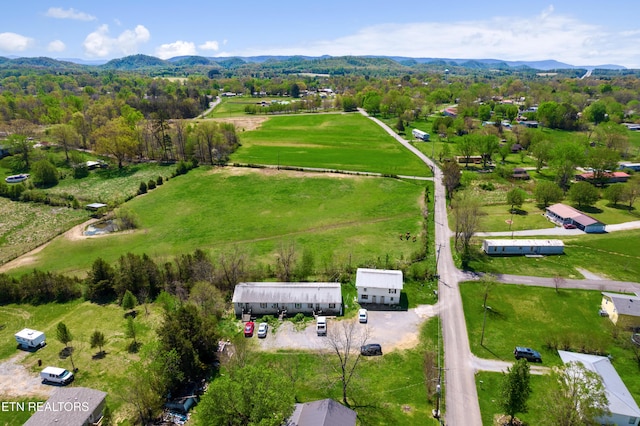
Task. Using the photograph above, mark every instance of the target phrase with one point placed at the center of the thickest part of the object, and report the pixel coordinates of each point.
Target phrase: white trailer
(419, 134)
(522, 247)
(56, 375)
(30, 339)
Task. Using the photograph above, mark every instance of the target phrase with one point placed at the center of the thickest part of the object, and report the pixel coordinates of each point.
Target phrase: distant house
(450, 112)
(273, 298)
(528, 123)
(632, 166)
(612, 177)
(325, 412)
(520, 173)
(472, 159)
(379, 286)
(80, 407)
(516, 147)
(623, 309)
(522, 247)
(563, 215)
(623, 408)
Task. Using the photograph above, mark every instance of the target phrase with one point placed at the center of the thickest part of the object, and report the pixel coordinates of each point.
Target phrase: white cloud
(100, 44)
(210, 45)
(13, 42)
(60, 13)
(56, 46)
(178, 48)
(531, 37)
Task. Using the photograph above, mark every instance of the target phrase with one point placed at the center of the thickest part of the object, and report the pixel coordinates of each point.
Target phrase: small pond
(100, 228)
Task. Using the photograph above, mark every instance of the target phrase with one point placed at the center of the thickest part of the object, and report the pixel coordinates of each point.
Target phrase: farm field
(219, 209)
(335, 141)
(581, 251)
(545, 320)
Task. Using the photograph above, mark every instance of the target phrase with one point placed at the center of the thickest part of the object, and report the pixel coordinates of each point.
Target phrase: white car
(262, 329)
(363, 316)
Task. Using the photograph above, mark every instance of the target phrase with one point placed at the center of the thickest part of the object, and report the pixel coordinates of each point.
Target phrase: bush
(44, 174)
(181, 168)
(142, 189)
(299, 317)
(159, 181)
(80, 172)
(487, 186)
(151, 184)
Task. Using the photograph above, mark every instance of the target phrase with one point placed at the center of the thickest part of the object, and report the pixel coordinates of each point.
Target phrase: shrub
(151, 184)
(44, 174)
(80, 171)
(181, 168)
(126, 219)
(159, 181)
(487, 186)
(142, 189)
(299, 317)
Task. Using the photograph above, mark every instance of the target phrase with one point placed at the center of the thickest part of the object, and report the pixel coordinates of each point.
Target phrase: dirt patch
(245, 123)
(17, 382)
(268, 171)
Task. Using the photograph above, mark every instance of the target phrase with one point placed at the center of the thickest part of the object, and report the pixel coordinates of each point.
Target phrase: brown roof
(568, 212)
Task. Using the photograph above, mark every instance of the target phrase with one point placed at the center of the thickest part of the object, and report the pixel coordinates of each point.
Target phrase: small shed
(30, 339)
(95, 206)
(522, 247)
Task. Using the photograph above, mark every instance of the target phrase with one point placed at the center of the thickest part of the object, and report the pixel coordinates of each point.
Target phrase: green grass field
(535, 317)
(356, 219)
(334, 141)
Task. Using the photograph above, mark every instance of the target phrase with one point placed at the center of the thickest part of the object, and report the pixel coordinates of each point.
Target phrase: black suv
(371, 349)
(527, 353)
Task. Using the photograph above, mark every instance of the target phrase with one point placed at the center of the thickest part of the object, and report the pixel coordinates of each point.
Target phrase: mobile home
(30, 339)
(419, 134)
(522, 247)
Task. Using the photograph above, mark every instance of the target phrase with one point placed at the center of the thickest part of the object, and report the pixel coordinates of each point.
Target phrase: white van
(321, 326)
(56, 375)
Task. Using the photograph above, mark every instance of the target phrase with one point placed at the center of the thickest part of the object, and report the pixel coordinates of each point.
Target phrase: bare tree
(558, 282)
(488, 283)
(344, 339)
(467, 211)
(285, 261)
(231, 268)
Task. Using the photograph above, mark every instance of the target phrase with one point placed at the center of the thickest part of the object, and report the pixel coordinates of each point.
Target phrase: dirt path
(17, 382)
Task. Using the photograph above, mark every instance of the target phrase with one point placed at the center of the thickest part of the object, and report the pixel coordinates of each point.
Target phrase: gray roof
(58, 414)
(379, 278)
(625, 304)
(620, 400)
(325, 412)
(268, 292)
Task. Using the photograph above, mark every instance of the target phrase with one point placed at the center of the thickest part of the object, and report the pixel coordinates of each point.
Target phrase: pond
(100, 228)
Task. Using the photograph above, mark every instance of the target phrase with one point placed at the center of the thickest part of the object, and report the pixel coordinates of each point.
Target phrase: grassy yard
(108, 373)
(387, 390)
(343, 220)
(541, 318)
(333, 141)
(581, 251)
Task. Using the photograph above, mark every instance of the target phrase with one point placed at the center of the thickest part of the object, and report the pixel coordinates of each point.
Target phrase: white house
(272, 298)
(379, 286)
(522, 247)
(623, 309)
(624, 409)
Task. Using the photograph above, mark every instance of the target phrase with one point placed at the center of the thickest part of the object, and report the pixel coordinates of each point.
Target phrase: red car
(569, 226)
(248, 329)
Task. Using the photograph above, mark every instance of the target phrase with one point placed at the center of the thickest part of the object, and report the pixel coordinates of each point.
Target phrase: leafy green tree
(484, 112)
(371, 102)
(577, 397)
(250, 395)
(542, 151)
(601, 159)
(547, 192)
(631, 191)
(516, 197)
(584, 194)
(294, 90)
(467, 146)
(564, 159)
(99, 282)
(487, 146)
(128, 301)
(44, 174)
(66, 136)
(614, 193)
(97, 339)
(63, 334)
(596, 112)
(116, 138)
(131, 332)
(515, 389)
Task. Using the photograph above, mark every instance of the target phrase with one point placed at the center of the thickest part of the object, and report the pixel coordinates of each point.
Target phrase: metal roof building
(72, 406)
(563, 214)
(522, 247)
(325, 412)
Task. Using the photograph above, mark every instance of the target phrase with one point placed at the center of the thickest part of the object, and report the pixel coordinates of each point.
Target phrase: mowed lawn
(614, 256)
(338, 218)
(335, 141)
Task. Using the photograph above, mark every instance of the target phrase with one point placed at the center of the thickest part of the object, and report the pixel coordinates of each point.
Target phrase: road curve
(461, 395)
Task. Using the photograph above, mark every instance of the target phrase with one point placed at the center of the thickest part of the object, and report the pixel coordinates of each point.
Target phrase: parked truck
(30, 339)
(321, 326)
(57, 376)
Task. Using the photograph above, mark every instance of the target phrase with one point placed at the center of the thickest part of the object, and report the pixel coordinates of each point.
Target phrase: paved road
(461, 396)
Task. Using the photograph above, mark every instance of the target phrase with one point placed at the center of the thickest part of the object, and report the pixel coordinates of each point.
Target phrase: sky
(581, 33)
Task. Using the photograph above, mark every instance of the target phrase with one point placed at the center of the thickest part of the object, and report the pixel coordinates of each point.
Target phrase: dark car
(371, 349)
(248, 329)
(569, 226)
(527, 353)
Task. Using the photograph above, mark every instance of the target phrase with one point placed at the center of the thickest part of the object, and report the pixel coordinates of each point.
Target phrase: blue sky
(586, 32)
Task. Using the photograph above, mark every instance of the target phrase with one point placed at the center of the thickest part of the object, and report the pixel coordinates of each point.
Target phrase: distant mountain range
(320, 63)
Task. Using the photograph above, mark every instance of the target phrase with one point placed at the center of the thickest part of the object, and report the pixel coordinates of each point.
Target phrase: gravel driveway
(394, 330)
(17, 382)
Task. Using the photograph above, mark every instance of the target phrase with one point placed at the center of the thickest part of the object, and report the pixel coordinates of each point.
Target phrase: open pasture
(334, 141)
